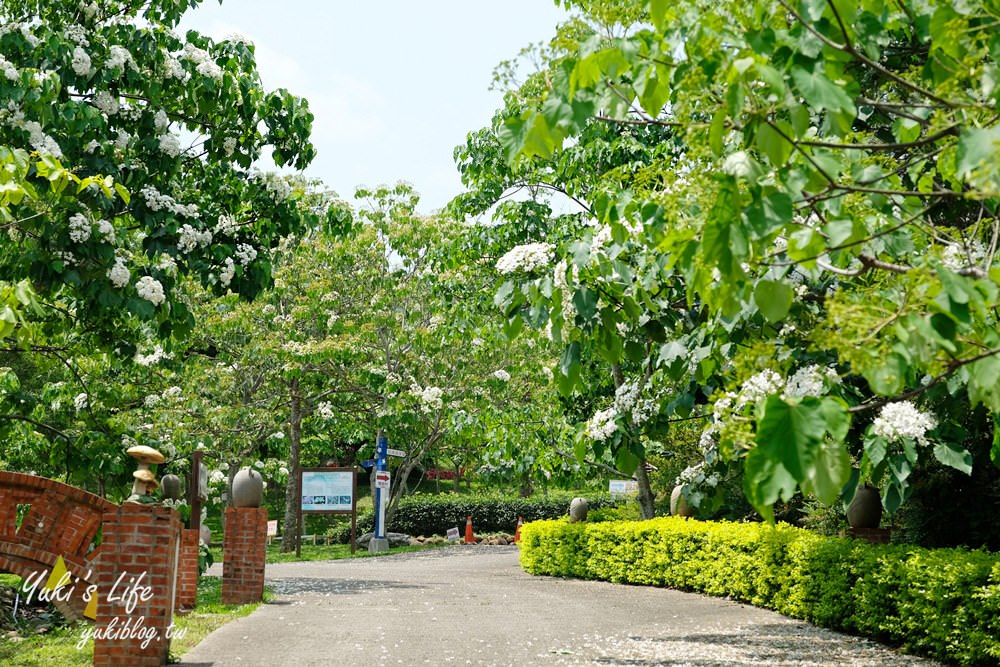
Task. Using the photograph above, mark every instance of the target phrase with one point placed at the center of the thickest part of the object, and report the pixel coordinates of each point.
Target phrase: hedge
(428, 514)
(944, 603)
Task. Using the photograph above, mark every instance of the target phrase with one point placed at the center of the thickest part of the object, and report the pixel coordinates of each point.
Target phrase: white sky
(395, 85)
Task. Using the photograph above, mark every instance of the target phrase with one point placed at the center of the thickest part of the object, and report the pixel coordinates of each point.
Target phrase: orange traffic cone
(469, 537)
(517, 532)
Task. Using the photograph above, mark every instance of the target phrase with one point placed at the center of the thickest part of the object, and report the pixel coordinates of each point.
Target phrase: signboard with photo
(328, 490)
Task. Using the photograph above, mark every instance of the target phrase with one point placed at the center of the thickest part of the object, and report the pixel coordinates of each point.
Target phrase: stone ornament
(578, 509)
(247, 488)
(145, 481)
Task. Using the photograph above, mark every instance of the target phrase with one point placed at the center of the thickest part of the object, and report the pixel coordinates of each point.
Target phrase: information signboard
(328, 490)
(623, 487)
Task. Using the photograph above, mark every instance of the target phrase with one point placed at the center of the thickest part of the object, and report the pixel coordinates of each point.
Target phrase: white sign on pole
(398, 453)
(382, 479)
(327, 490)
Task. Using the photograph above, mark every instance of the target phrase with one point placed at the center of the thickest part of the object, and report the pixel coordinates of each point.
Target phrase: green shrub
(434, 514)
(944, 603)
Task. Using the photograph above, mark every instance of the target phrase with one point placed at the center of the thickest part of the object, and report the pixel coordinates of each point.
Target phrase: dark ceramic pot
(171, 486)
(865, 511)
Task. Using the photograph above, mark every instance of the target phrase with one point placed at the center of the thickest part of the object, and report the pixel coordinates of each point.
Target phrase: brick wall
(187, 571)
(141, 545)
(243, 555)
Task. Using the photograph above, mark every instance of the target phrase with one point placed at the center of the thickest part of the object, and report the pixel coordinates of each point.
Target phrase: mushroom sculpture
(145, 481)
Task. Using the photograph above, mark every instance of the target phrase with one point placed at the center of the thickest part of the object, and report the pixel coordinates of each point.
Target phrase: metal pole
(379, 542)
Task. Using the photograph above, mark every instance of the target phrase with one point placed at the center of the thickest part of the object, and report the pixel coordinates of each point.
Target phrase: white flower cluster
(81, 62)
(77, 34)
(227, 225)
(81, 402)
(275, 185)
(157, 201)
(172, 392)
(227, 272)
(40, 141)
(119, 58)
(151, 401)
(169, 144)
(79, 228)
(150, 289)
(430, 398)
(189, 238)
(229, 145)
(958, 256)
(903, 420)
(122, 140)
(106, 230)
(759, 386)
(810, 380)
(501, 375)
(174, 70)
(152, 358)
(738, 164)
(602, 425)
(245, 253)
(167, 264)
(562, 283)
(203, 60)
(324, 410)
(600, 239)
(527, 257)
(216, 477)
(119, 274)
(106, 102)
(9, 71)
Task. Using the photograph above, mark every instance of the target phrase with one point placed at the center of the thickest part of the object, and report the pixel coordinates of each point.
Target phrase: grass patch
(208, 615)
(322, 552)
(61, 646)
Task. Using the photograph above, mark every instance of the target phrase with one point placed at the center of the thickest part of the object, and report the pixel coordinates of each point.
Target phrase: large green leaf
(831, 470)
(774, 299)
(765, 480)
(954, 456)
(790, 432)
(820, 92)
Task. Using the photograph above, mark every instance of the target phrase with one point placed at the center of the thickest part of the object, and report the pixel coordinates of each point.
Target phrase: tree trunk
(293, 531)
(456, 480)
(647, 509)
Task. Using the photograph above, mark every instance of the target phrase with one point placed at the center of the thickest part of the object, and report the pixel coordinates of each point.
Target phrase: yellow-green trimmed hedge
(944, 603)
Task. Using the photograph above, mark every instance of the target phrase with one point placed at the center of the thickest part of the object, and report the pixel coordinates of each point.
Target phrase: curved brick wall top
(62, 519)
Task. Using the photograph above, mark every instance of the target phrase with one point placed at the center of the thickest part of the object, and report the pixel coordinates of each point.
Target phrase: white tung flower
(527, 257)
(107, 230)
(8, 69)
(602, 425)
(227, 272)
(245, 253)
(79, 228)
(81, 402)
(169, 145)
(738, 164)
(81, 62)
(759, 386)
(150, 289)
(119, 274)
(324, 410)
(501, 375)
(903, 420)
(810, 380)
(189, 238)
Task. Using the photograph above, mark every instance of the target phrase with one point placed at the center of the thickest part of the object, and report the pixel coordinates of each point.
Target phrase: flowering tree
(126, 149)
(814, 244)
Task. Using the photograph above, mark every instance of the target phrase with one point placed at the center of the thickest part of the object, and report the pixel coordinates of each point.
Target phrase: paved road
(475, 606)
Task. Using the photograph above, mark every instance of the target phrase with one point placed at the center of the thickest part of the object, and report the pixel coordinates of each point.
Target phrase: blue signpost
(379, 542)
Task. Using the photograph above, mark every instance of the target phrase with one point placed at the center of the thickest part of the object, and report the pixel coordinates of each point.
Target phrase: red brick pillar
(243, 552)
(135, 585)
(187, 571)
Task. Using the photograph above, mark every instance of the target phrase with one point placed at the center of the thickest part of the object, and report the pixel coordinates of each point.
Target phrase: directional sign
(368, 463)
(396, 452)
(382, 479)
